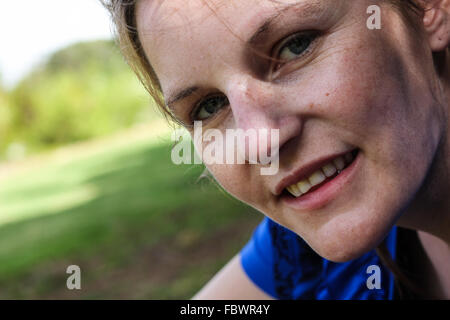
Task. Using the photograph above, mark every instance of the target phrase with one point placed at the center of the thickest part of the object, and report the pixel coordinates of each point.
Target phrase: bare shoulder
(231, 283)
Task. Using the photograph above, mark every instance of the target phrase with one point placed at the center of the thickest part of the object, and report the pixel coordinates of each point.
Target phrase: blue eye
(209, 106)
(294, 47)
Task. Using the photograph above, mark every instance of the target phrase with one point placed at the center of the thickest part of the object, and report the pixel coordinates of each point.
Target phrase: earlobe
(436, 21)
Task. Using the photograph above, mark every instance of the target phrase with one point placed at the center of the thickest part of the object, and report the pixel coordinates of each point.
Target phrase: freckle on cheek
(311, 106)
(327, 94)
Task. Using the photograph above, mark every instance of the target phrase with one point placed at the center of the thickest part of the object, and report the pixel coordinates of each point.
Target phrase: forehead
(180, 36)
(163, 16)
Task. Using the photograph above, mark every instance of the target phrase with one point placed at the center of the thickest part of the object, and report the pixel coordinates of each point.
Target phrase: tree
(82, 91)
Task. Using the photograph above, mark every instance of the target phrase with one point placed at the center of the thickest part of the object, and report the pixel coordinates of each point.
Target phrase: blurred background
(85, 171)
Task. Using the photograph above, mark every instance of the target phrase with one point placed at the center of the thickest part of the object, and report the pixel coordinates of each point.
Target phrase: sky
(30, 30)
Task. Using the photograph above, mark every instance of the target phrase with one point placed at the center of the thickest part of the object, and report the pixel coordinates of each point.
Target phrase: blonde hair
(125, 27)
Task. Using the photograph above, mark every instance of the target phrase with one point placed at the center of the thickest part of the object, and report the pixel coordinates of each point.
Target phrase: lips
(325, 192)
(313, 175)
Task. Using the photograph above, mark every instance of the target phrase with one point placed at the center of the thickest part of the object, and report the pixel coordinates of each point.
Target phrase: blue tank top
(283, 265)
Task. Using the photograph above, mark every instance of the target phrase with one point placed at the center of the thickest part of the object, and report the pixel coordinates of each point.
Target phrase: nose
(260, 107)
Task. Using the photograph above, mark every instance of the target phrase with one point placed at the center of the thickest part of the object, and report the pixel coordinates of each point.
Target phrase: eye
(294, 47)
(208, 107)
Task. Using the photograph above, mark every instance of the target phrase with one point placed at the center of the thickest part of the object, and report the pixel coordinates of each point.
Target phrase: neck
(430, 210)
(429, 214)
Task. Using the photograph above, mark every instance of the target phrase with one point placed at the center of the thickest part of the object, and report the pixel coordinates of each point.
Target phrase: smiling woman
(363, 125)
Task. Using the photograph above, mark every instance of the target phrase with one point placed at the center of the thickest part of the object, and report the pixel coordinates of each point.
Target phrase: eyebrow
(307, 8)
(263, 30)
(182, 94)
(266, 26)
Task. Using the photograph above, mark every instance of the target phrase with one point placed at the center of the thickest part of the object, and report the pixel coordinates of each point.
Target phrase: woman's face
(337, 90)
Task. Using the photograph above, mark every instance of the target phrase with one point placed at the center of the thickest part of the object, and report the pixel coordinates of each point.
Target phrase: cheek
(240, 182)
(236, 179)
(371, 99)
(230, 177)
(354, 93)
(387, 112)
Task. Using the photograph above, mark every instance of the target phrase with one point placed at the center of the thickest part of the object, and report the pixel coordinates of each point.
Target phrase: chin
(342, 243)
(342, 254)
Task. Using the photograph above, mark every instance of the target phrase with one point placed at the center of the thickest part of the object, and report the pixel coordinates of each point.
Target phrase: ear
(436, 21)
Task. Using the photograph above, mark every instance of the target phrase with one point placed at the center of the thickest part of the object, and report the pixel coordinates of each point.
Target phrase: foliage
(5, 114)
(83, 91)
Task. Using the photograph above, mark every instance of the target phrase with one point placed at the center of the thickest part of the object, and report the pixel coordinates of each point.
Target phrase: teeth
(294, 190)
(329, 170)
(316, 178)
(319, 176)
(339, 163)
(304, 186)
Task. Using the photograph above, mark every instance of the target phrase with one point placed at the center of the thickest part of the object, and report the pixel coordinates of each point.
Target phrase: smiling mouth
(321, 176)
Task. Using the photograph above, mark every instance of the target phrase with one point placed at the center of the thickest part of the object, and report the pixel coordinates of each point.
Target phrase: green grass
(137, 225)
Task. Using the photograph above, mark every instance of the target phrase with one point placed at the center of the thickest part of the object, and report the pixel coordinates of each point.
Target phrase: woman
(362, 115)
